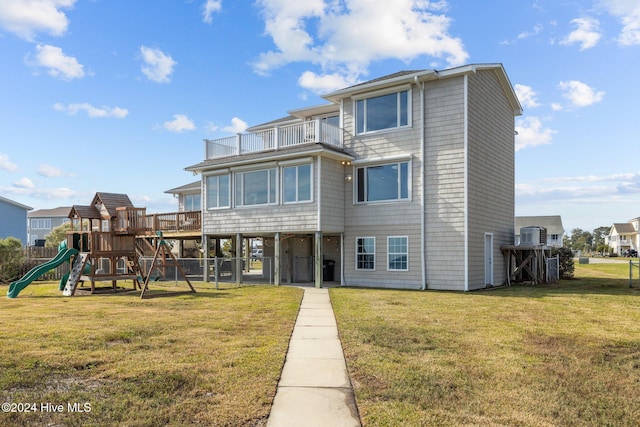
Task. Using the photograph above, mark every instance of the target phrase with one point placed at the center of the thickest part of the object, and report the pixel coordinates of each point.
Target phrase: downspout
(466, 182)
(423, 249)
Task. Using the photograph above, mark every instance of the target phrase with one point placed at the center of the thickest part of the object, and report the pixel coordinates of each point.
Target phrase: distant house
(42, 221)
(623, 236)
(13, 219)
(552, 223)
(404, 181)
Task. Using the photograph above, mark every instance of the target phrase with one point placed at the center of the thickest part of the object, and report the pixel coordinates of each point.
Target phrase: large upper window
(398, 253)
(218, 192)
(382, 112)
(365, 253)
(256, 187)
(296, 183)
(383, 182)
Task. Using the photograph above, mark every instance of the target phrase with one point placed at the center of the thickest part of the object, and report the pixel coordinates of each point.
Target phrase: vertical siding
(381, 220)
(491, 174)
(13, 222)
(445, 185)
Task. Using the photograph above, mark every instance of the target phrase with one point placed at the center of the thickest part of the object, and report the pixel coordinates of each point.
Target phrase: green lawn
(557, 355)
(211, 358)
(566, 354)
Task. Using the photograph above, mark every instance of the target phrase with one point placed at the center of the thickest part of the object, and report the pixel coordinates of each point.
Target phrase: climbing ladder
(74, 275)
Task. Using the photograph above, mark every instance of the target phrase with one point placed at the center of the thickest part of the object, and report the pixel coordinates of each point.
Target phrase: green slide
(37, 271)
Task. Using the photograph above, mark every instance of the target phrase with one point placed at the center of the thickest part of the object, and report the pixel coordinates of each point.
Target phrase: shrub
(566, 262)
(11, 259)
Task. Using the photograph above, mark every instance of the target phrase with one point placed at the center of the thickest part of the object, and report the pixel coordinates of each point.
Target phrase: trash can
(328, 267)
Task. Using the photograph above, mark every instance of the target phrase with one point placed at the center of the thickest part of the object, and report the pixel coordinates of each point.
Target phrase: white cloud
(6, 164)
(345, 37)
(158, 66)
(629, 13)
(25, 18)
(210, 7)
(587, 34)
(324, 83)
(237, 126)
(179, 123)
(580, 94)
(73, 109)
(58, 64)
(23, 183)
(531, 133)
(52, 171)
(526, 95)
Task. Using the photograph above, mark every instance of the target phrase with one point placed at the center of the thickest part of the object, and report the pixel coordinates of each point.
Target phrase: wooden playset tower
(104, 233)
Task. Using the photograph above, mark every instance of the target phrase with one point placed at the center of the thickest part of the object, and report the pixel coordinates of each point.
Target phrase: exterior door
(488, 259)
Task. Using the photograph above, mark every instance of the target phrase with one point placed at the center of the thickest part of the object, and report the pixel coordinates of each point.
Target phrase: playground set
(105, 244)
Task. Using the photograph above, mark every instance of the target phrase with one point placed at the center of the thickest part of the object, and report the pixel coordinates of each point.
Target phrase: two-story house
(42, 221)
(623, 236)
(13, 219)
(405, 181)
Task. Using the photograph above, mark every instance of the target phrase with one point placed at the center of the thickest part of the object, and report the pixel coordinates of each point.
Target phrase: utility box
(533, 235)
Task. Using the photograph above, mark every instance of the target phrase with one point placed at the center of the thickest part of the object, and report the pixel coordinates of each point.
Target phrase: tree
(580, 240)
(57, 235)
(598, 237)
(11, 258)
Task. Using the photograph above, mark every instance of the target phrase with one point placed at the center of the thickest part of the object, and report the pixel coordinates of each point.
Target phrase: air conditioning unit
(533, 236)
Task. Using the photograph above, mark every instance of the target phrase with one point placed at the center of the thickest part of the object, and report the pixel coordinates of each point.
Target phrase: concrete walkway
(314, 389)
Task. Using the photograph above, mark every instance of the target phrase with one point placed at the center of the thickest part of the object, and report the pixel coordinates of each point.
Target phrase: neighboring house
(406, 181)
(42, 221)
(13, 219)
(189, 196)
(552, 223)
(623, 236)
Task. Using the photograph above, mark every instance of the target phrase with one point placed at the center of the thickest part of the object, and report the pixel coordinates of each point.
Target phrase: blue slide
(63, 255)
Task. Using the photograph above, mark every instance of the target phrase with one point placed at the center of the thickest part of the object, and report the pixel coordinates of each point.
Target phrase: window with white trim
(382, 112)
(192, 202)
(365, 253)
(41, 224)
(256, 187)
(296, 184)
(382, 182)
(398, 253)
(218, 191)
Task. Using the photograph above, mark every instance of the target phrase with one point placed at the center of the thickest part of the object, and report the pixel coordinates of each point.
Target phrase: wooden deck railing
(174, 221)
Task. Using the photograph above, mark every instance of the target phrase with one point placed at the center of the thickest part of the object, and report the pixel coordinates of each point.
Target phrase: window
(41, 224)
(192, 202)
(383, 182)
(397, 253)
(256, 187)
(365, 253)
(382, 112)
(218, 191)
(296, 184)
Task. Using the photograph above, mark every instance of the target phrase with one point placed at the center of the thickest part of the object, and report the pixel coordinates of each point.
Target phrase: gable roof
(408, 77)
(187, 188)
(14, 203)
(111, 201)
(553, 223)
(62, 211)
(84, 212)
(623, 227)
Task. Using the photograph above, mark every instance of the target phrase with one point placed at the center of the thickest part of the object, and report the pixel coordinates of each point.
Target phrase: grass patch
(560, 354)
(210, 358)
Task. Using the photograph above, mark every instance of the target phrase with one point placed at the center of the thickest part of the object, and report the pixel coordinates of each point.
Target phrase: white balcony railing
(273, 139)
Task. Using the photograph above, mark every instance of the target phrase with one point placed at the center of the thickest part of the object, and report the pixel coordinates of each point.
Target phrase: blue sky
(118, 95)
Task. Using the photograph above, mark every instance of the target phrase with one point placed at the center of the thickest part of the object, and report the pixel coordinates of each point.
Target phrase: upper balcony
(275, 138)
